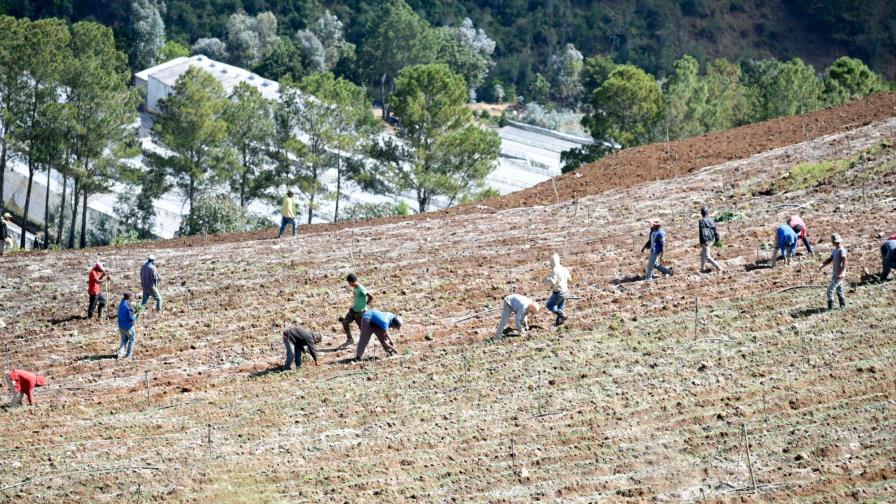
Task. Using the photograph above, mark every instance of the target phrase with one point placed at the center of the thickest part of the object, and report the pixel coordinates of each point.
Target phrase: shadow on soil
(761, 264)
(98, 357)
(266, 372)
(627, 279)
(807, 312)
(65, 320)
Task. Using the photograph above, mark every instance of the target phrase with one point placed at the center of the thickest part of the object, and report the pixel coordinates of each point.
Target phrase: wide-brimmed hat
(836, 238)
(152, 257)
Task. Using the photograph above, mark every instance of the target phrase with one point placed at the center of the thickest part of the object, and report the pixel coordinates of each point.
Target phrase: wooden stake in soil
(743, 430)
(146, 383)
(696, 318)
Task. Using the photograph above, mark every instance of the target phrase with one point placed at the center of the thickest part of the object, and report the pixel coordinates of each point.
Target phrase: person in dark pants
(97, 276)
(802, 233)
(5, 239)
(888, 256)
(360, 300)
(288, 214)
(297, 340)
(709, 236)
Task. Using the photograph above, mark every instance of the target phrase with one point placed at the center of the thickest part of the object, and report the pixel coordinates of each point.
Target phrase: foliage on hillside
(651, 34)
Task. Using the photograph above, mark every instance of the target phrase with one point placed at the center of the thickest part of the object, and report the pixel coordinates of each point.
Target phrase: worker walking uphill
(126, 321)
(297, 340)
(22, 384)
(656, 242)
(558, 280)
(288, 212)
(5, 238)
(521, 307)
(888, 256)
(379, 323)
(785, 244)
(97, 276)
(709, 236)
(360, 300)
(799, 227)
(838, 259)
(149, 281)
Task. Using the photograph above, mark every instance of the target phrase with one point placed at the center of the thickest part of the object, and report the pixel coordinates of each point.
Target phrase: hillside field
(720, 387)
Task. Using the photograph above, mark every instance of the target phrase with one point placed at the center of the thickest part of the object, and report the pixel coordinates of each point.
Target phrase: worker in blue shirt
(785, 243)
(657, 245)
(379, 323)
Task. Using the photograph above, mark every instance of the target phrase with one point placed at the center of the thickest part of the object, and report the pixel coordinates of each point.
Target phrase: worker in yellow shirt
(288, 209)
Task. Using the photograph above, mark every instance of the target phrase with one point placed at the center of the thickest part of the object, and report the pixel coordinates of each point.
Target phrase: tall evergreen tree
(250, 131)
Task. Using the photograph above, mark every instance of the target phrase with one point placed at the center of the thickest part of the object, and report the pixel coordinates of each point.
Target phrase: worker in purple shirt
(379, 323)
(656, 242)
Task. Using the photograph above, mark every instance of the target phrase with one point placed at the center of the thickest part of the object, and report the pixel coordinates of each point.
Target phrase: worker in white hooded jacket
(559, 282)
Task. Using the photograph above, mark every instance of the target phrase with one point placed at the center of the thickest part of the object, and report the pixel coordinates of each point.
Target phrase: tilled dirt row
(616, 406)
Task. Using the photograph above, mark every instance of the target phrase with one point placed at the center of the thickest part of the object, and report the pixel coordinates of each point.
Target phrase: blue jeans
(556, 303)
(126, 347)
(283, 222)
(652, 263)
(154, 293)
(292, 354)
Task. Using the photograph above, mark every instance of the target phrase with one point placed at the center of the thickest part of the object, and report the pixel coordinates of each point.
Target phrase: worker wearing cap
(149, 282)
(785, 244)
(379, 323)
(888, 256)
(21, 384)
(799, 227)
(296, 340)
(838, 259)
(5, 238)
(656, 242)
(288, 214)
(95, 279)
(521, 307)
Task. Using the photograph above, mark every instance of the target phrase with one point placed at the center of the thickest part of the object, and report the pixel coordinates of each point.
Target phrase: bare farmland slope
(621, 405)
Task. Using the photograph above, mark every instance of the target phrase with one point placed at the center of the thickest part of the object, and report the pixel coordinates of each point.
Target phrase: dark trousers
(97, 302)
(351, 316)
(283, 222)
(368, 329)
(805, 241)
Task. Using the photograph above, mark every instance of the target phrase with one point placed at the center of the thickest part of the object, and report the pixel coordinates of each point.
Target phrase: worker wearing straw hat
(838, 259)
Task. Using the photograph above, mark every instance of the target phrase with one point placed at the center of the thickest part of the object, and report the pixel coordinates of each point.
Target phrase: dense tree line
(650, 34)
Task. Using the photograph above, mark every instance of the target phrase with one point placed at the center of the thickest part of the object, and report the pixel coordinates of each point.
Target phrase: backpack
(708, 233)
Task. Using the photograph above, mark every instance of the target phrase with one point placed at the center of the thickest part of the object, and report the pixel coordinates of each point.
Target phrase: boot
(830, 304)
(842, 300)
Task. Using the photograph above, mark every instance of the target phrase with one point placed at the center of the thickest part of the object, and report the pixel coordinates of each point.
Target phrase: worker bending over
(785, 243)
(521, 307)
(21, 384)
(379, 323)
(799, 227)
(888, 256)
(297, 340)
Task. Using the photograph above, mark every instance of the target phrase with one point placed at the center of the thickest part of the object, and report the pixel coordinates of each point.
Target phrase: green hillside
(651, 34)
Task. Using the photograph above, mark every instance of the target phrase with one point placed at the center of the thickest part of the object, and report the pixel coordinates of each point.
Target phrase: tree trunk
(338, 186)
(191, 190)
(2, 176)
(243, 186)
(31, 170)
(62, 211)
(83, 241)
(76, 194)
(47, 211)
(383, 97)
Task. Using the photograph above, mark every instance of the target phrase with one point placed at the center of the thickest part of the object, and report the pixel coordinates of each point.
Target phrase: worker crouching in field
(126, 320)
(360, 300)
(785, 244)
(21, 384)
(558, 280)
(521, 307)
(96, 301)
(838, 259)
(888, 256)
(297, 340)
(799, 227)
(379, 323)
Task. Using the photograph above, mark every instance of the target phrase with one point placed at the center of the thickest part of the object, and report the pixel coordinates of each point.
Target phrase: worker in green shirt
(359, 306)
(288, 209)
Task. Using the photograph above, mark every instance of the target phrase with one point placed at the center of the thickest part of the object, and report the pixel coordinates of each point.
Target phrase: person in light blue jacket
(785, 243)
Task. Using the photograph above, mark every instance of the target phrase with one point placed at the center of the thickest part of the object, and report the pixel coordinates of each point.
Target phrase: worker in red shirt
(95, 279)
(21, 383)
(799, 227)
